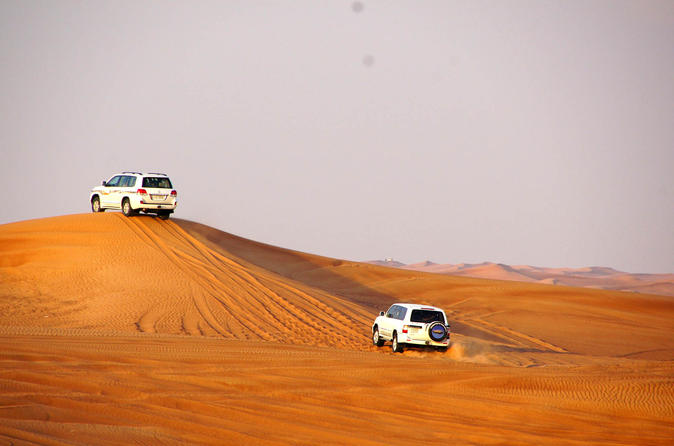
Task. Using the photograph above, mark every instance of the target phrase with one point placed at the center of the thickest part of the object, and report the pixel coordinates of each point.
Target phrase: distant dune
(590, 277)
(118, 330)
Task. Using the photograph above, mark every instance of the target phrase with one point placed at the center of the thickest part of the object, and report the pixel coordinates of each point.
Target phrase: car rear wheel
(164, 215)
(395, 346)
(376, 340)
(126, 208)
(96, 205)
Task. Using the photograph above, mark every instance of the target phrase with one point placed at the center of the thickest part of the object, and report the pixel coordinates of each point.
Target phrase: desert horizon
(117, 330)
(604, 277)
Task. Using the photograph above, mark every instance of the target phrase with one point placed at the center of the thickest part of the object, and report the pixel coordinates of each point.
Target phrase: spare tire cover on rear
(437, 331)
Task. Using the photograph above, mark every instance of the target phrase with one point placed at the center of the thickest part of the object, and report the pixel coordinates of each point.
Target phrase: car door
(125, 188)
(388, 322)
(397, 320)
(110, 191)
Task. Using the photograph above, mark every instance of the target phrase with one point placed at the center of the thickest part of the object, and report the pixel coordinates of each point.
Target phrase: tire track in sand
(234, 327)
(350, 324)
(518, 338)
(236, 301)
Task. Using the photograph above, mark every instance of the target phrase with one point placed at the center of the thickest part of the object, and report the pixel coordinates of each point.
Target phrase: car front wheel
(395, 346)
(96, 205)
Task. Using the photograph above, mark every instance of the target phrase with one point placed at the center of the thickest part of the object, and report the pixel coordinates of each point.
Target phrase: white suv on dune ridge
(134, 192)
(411, 324)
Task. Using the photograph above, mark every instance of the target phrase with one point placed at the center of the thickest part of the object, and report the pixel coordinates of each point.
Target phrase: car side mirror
(381, 313)
(104, 183)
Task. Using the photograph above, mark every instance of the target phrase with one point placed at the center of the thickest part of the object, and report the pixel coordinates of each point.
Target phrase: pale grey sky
(522, 132)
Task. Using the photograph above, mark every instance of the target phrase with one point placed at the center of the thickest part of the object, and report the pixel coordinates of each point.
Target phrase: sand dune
(590, 277)
(119, 330)
(137, 275)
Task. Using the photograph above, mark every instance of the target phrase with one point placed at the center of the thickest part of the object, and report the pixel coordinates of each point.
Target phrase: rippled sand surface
(118, 330)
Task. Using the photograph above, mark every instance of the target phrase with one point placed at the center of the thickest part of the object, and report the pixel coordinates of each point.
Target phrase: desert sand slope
(107, 272)
(119, 330)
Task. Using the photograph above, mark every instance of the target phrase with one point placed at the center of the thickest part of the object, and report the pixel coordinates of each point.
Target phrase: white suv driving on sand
(134, 192)
(411, 324)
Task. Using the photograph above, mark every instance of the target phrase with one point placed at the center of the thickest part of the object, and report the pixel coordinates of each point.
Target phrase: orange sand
(117, 330)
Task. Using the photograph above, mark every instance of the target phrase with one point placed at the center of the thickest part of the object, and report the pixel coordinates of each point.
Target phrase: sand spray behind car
(461, 350)
(467, 350)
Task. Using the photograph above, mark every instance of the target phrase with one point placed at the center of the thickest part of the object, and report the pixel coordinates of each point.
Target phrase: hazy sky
(522, 132)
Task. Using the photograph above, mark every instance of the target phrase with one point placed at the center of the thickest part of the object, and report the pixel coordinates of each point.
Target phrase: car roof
(419, 307)
(141, 174)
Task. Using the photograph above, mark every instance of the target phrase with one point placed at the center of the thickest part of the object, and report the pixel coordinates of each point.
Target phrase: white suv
(413, 325)
(133, 192)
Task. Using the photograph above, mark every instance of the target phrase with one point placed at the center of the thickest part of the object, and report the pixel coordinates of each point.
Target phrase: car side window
(403, 312)
(391, 311)
(127, 181)
(114, 182)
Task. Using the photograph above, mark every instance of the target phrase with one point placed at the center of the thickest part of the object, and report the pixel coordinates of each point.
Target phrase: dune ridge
(118, 330)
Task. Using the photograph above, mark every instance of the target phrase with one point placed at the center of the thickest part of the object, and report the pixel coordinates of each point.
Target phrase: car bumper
(154, 207)
(139, 204)
(430, 343)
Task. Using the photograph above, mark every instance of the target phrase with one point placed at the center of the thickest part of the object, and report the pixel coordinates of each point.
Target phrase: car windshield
(426, 316)
(159, 182)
